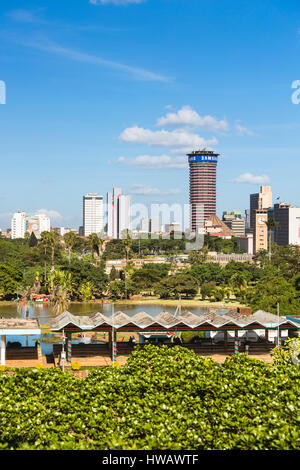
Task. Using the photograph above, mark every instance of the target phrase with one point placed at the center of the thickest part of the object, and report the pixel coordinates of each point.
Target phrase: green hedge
(161, 399)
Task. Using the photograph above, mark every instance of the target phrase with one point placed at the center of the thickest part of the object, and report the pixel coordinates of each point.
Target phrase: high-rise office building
(235, 222)
(124, 214)
(259, 201)
(18, 225)
(112, 212)
(260, 233)
(155, 225)
(246, 243)
(247, 220)
(152, 225)
(287, 230)
(203, 175)
(145, 225)
(92, 214)
(118, 213)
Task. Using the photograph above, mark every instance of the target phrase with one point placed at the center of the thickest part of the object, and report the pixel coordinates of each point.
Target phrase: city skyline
(94, 100)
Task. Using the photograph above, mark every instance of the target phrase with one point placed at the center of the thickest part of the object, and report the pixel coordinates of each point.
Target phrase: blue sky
(115, 92)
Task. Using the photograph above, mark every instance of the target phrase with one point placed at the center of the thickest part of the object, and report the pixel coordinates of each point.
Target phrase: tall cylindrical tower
(203, 178)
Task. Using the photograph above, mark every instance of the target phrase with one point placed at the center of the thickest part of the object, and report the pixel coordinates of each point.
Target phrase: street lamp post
(278, 330)
(63, 353)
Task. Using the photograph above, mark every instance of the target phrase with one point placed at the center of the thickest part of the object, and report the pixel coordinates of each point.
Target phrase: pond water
(44, 313)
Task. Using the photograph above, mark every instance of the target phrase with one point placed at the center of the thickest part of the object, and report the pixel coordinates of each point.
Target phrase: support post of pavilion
(3, 349)
(225, 339)
(69, 348)
(236, 342)
(267, 334)
(110, 341)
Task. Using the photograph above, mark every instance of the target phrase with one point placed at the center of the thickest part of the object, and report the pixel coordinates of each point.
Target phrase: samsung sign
(202, 158)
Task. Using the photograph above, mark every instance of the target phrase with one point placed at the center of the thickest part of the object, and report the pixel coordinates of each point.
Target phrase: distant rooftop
(203, 152)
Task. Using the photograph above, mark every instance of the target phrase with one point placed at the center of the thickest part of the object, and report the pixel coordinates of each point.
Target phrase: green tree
(94, 245)
(51, 240)
(86, 291)
(271, 225)
(176, 286)
(9, 279)
(127, 240)
(113, 274)
(60, 288)
(267, 293)
(33, 241)
(70, 240)
(207, 290)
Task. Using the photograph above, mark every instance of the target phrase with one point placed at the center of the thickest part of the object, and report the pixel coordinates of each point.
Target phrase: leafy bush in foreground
(161, 399)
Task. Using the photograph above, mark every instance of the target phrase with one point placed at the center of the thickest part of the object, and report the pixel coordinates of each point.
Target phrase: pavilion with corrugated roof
(19, 327)
(212, 322)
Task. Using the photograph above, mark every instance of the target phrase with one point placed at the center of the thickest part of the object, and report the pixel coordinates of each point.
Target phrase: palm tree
(37, 283)
(271, 225)
(50, 239)
(238, 280)
(126, 235)
(60, 287)
(101, 246)
(94, 244)
(53, 243)
(70, 240)
(45, 243)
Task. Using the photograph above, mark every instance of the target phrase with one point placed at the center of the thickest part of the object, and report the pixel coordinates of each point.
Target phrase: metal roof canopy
(165, 321)
(16, 326)
(19, 326)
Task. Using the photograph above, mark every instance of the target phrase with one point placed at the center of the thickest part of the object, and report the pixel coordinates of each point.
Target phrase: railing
(21, 353)
(125, 348)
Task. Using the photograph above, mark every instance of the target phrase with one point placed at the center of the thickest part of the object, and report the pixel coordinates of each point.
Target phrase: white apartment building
(124, 214)
(38, 224)
(145, 225)
(92, 214)
(119, 214)
(18, 225)
(155, 225)
(112, 212)
(44, 223)
(21, 224)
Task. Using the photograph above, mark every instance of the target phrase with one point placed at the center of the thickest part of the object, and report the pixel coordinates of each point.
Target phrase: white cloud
(243, 130)
(142, 190)
(50, 213)
(25, 16)
(186, 116)
(150, 162)
(114, 2)
(178, 138)
(252, 179)
(136, 72)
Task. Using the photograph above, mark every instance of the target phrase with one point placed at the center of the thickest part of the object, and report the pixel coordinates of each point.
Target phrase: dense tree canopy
(26, 266)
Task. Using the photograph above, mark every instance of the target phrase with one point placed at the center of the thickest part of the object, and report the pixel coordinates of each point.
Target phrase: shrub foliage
(163, 398)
